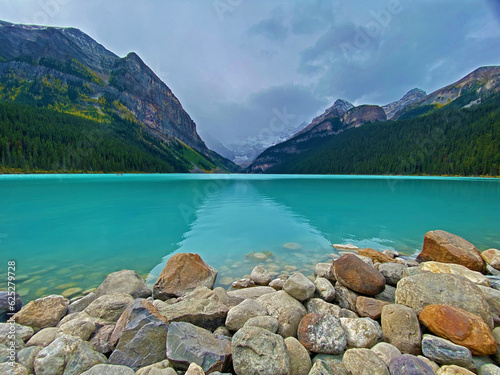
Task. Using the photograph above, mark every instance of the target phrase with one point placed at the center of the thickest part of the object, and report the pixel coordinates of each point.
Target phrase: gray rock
(26, 357)
(238, 315)
(278, 283)
(387, 295)
(101, 341)
(345, 313)
(426, 289)
(492, 296)
(43, 337)
(16, 369)
(202, 307)
(361, 332)
(125, 281)
(300, 362)
(319, 306)
(260, 276)
(322, 333)
(257, 351)
(320, 367)
(401, 328)
(432, 364)
(187, 344)
(444, 352)
(109, 370)
(82, 303)
(243, 283)
(408, 364)
(345, 298)
(5, 305)
(393, 272)
(391, 253)
(269, 323)
(324, 270)
(386, 352)
(4, 353)
(143, 339)
(364, 362)
(75, 327)
(67, 355)
(286, 309)
(160, 368)
(21, 334)
(324, 289)
(251, 293)
(299, 287)
(42, 313)
(489, 369)
(106, 309)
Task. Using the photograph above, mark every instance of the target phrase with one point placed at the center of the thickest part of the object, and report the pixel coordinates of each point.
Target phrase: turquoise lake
(67, 231)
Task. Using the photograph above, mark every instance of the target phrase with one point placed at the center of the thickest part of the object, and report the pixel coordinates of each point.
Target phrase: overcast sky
(238, 65)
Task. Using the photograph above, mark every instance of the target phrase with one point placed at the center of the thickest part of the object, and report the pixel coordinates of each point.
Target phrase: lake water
(69, 231)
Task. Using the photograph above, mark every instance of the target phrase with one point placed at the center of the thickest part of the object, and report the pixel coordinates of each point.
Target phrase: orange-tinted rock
(444, 247)
(370, 307)
(461, 327)
(492, 257)
(376, 256)
(183, 273)
(356, 275)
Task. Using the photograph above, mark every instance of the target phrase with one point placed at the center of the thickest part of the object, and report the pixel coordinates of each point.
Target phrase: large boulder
(444, 352)
(183, 273)
(361, 332)
(456, 269)
(143, 338)
(67, 355)
(20, 333)
(202, 307)
(444, 247)
(286, 309)
(461, 327)
(408, 364)
(300, 362)
(257, 351)
(364, 362)
(426, 289)
(78, 328)
(42, 313)
(492, 257)
(5, 304)
(400, 328)
(187, 344)
(125, 281)
(299, 287)
(238, 315)
(322, 333)
(106, 309)
(356, 275)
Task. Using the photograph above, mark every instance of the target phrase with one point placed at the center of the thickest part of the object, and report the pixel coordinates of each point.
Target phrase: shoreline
(365, 306)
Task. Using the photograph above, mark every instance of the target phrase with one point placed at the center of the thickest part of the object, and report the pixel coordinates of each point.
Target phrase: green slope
(34, 140)
(446, 141)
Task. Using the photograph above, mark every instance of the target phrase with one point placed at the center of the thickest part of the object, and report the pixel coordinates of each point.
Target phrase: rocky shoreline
(365, 312)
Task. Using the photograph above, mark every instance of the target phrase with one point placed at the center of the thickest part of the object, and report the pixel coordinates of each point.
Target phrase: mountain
(336, 119)
(454, 130)
(65, 70)
(412, 96)
(469, 90)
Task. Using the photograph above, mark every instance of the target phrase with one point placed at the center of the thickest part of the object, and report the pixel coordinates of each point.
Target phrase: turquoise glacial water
(67, 231)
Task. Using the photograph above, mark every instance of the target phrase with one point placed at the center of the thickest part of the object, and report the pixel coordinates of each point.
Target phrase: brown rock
(355, 274)
(183, 273)
(461, 327)
(400, 328)
(370, 307)
(492, 257)
(42, 313)
(376, 256)
(444, 247)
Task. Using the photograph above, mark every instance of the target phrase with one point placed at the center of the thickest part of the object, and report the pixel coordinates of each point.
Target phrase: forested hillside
(446, 141)
(34, 139)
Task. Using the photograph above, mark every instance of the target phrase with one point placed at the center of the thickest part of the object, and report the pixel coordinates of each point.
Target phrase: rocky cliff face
(67, 55)
(358, 116)
(412, 96)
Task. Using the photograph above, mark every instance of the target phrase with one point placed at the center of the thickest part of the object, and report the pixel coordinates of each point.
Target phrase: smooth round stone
(386, 352)
(445, 352)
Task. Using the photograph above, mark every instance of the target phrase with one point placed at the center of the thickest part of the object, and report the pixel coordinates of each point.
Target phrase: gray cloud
(272, 28)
